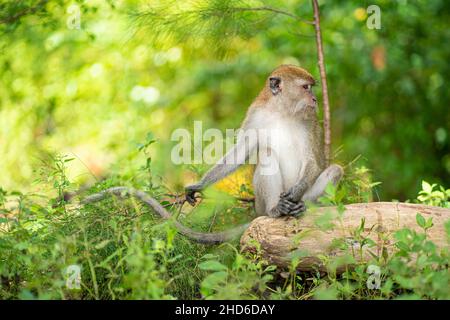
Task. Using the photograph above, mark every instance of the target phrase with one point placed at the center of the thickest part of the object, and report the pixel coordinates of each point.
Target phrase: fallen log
(313, 235)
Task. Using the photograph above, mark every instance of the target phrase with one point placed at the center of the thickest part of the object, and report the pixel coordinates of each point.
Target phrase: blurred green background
(94, 93)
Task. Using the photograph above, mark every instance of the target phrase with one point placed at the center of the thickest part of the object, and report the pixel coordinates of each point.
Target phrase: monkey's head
(291, 89)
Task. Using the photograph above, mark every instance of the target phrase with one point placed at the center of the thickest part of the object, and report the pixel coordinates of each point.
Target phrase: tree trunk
(323, 79)
(280, 238)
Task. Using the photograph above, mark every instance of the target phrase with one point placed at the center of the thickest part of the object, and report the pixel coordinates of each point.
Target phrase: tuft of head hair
(289, 71)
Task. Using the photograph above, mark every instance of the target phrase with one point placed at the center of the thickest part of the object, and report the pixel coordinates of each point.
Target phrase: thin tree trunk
(323, 78)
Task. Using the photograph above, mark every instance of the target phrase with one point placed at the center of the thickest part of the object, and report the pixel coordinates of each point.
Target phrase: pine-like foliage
(216, 21)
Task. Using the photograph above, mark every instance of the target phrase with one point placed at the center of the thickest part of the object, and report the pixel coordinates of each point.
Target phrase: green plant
(439, 197)
(125, 252)
(244, 278)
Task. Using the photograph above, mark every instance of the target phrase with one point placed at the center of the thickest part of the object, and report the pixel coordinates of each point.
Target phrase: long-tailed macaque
(290, 166)
(290, 159)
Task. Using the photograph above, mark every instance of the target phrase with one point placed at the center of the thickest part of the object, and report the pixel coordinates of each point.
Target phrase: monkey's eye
(307, 86)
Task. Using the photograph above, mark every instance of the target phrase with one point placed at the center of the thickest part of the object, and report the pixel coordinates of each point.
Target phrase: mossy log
(315, 235)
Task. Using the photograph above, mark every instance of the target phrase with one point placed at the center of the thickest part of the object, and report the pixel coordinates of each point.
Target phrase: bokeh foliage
(101, 101)
(95, 92)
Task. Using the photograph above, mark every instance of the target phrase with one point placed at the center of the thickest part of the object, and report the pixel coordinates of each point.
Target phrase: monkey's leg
(267, 195)
(331, 174)
(266, 188)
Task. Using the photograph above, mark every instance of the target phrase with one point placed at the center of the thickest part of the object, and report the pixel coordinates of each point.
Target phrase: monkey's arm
(229, 163)
(296, 192)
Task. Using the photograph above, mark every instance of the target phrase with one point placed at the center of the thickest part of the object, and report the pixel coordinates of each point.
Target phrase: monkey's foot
(286, 207)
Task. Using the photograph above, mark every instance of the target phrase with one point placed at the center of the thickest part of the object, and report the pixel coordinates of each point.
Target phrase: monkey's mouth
(305, 108)
(311, 107)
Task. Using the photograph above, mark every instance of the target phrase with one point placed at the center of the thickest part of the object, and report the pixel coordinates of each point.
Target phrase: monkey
(286, 109)
(287, 149)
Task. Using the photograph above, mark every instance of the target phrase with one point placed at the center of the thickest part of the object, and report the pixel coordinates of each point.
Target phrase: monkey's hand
(286, 207)
(295, 194)
(190, 193)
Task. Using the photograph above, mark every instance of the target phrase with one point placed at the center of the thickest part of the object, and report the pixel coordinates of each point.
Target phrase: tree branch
(24, 12)
(274, 10)
(323, 78)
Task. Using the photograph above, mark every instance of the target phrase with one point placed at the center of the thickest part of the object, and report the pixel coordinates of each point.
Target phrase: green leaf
(270, 268)
(212, 265)
(420, 220)
(374, 184)
(102, 244)
(426, 187)
(209, 256)
(325, 221)
(330, 190)
(402, 246)
(429, 223)
(212, 281)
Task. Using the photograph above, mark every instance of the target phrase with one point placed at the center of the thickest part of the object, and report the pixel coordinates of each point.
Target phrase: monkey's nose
(314, 100)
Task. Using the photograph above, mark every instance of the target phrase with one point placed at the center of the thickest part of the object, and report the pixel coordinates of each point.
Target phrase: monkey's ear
(274, 83)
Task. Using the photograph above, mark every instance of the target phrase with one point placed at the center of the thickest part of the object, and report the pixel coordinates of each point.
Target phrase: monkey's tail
(202, 237)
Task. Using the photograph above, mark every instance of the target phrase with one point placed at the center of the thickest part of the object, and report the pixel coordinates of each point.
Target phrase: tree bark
(279, 239)
(323, 79)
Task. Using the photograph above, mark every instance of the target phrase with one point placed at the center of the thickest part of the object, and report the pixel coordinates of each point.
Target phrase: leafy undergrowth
(122, 251)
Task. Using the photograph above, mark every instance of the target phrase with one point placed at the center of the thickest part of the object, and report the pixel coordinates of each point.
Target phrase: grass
(125, 252)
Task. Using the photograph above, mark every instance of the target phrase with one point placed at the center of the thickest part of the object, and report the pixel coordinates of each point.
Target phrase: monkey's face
(291, 88)
(303, 99)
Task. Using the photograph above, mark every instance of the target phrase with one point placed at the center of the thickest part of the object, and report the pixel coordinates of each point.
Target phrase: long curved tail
(202, 237)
